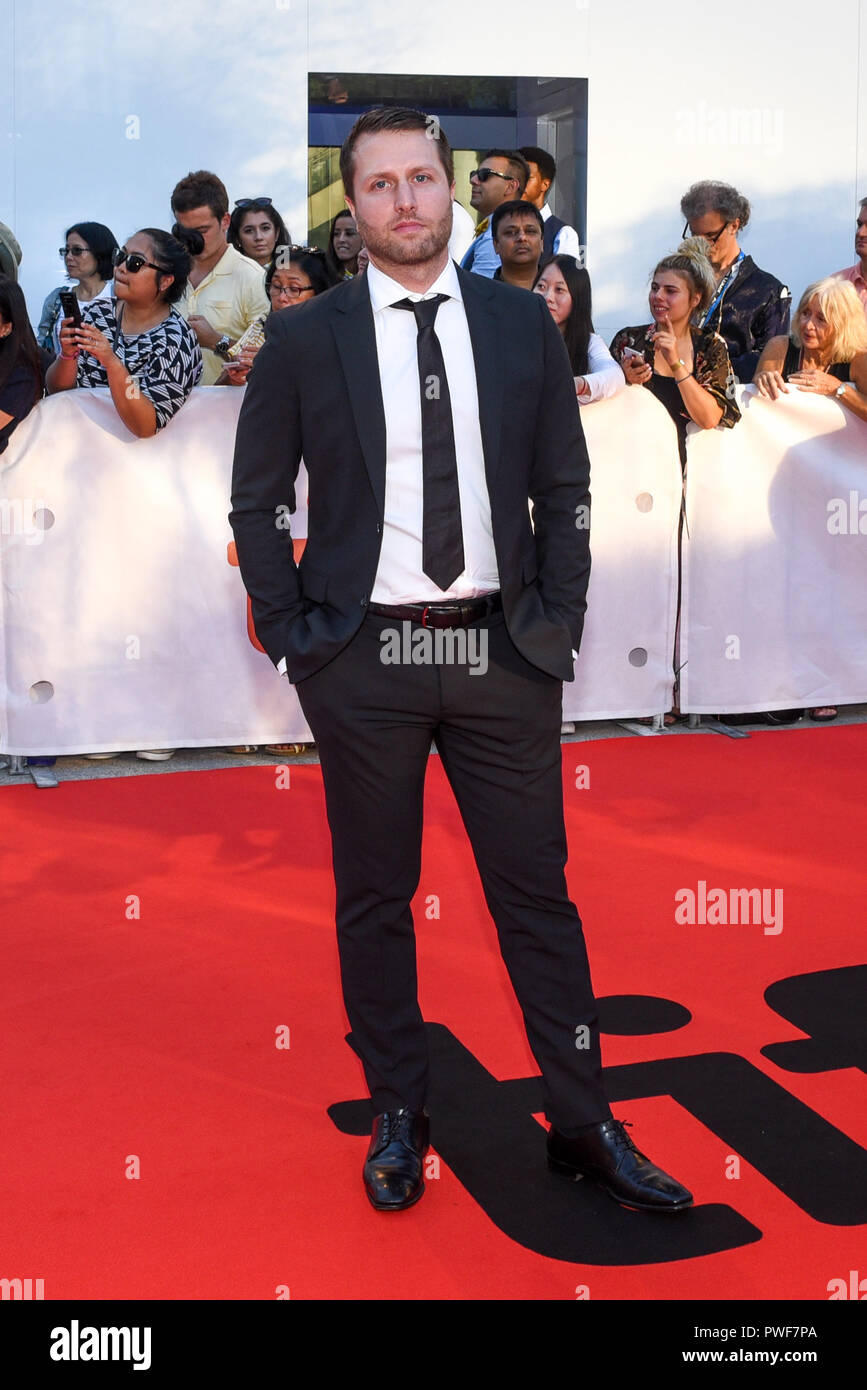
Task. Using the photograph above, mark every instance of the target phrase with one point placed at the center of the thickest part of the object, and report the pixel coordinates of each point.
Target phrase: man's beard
(388, 246)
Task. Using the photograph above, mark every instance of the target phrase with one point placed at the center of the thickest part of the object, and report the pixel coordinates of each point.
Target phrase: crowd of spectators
(167, 310)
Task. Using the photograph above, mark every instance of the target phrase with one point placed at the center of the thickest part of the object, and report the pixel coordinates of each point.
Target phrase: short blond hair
(844, 313)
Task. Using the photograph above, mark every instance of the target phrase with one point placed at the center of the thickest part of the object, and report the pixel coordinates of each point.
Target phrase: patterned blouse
(166, 361)
(712, 371)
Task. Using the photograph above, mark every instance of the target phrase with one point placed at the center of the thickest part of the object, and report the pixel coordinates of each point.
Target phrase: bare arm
(769, 372)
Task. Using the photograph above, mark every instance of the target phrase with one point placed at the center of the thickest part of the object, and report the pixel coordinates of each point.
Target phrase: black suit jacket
(314, 390)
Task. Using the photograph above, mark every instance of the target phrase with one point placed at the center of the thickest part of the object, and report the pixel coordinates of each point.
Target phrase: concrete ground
(79, 768)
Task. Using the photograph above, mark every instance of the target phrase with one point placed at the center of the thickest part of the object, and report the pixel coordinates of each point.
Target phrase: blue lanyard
(730, 275)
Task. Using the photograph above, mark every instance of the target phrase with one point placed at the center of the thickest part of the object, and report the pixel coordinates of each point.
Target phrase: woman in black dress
(826, 354)
(685, 367)
(21, 366)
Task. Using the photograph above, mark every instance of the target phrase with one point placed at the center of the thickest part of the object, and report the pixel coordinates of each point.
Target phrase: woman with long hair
(344, 244)
(825, 354)
(21, 374)
(826, 351)
(256, 229)
(565, 287)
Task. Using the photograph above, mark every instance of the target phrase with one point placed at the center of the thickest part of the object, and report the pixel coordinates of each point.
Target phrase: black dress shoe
(393, 1169)
(607, 1154)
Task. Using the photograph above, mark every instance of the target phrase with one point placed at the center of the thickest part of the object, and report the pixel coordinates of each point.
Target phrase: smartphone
(70, 306)
(631, 352)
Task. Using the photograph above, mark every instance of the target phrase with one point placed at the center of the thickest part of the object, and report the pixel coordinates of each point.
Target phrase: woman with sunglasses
(88, 255)
(344, 244)
(748, 307)
(256, 229)
(139, 339)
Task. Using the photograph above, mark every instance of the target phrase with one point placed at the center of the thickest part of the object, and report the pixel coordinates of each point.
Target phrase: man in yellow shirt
(225, 291)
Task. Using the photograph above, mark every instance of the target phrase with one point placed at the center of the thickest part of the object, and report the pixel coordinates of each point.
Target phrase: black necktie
(442, 538)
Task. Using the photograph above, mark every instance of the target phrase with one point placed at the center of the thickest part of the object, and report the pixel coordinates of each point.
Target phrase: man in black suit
(429, 405)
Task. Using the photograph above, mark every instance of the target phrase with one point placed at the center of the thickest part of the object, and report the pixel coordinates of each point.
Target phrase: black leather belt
(450, 613)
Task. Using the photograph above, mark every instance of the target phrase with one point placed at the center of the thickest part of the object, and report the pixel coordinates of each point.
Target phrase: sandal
(823, 714)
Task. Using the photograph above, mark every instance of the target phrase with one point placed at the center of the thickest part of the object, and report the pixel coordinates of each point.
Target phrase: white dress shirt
(463, 231)
(566, 241)
(399, 575)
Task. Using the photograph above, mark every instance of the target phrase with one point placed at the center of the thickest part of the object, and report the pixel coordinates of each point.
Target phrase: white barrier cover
(123, 626)
(774, 592)
(127, 606)
(625, 666)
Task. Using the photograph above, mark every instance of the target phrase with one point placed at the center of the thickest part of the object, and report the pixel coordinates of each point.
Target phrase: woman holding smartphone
(140, 338)
(685, 367)
(88, 255)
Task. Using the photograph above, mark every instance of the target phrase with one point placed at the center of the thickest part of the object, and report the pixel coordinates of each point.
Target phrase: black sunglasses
(253, 203)
(134, 262)
(712, 237)
(65, 251)
(484, 174)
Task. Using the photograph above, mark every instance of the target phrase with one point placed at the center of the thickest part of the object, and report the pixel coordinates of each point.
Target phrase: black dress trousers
(497, 732)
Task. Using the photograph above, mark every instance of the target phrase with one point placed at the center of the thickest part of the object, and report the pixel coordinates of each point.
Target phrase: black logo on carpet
(484, 1129)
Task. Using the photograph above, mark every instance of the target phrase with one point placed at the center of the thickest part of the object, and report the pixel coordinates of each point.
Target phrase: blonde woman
(826, 352)
(685, 367)
(827, 355)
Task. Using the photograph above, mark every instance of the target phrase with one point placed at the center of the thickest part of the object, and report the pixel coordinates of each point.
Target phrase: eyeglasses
(253, 203)
(712, 237)
(134, 262)
(71, 251)
(290, 291)
(484, 174)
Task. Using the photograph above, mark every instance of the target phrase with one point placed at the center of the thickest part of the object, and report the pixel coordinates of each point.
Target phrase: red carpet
(151, 1037)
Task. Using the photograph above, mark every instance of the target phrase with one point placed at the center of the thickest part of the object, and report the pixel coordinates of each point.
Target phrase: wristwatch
(841, 389)
(222, 345)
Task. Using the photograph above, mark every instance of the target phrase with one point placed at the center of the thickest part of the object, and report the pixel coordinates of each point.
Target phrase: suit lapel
(355, 337)
(354, 334)
(486, 336)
